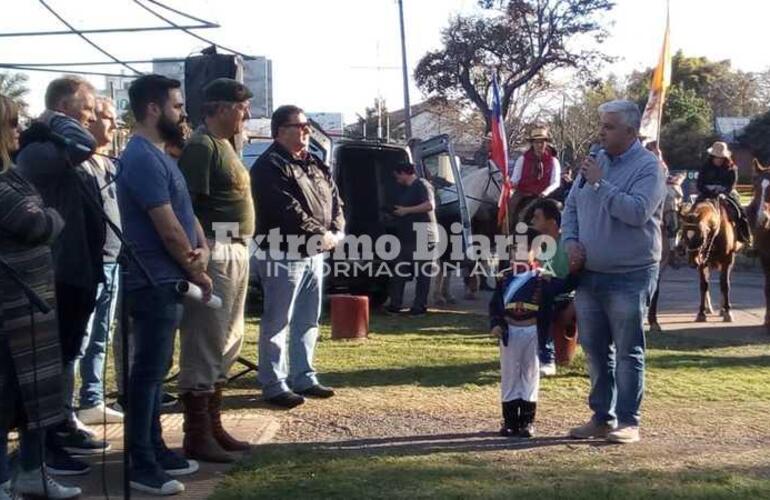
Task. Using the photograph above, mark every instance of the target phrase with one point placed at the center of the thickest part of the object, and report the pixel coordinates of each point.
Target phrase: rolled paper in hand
(193, 291)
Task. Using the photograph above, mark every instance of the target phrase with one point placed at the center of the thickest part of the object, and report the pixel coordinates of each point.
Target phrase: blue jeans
(30, 441)
(292, 307)
(610, 318)
(97, 338)
(155, 314)
(30, 456)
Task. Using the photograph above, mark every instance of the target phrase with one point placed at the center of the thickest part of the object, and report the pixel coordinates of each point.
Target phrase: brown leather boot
(199, 442)
(225, 440)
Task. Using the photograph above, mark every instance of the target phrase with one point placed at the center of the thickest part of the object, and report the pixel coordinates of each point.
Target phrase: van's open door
(436, 161)
(321, 143)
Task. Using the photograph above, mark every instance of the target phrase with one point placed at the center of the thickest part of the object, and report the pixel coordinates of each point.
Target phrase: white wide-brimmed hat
(720, 150)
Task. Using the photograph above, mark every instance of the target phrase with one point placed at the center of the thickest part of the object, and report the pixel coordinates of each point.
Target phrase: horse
(670, 230)
(759, 217)
(482, 186)
(710, 242)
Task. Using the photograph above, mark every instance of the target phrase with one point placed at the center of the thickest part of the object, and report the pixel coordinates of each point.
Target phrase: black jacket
(298, 197)
(77, 253)
(537, 296)
(711, 175)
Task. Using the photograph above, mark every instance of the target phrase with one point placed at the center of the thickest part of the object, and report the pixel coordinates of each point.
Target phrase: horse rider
(536, 173)
(718, 177)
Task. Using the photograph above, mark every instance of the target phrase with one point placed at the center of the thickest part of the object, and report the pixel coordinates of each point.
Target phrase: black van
(363, 171)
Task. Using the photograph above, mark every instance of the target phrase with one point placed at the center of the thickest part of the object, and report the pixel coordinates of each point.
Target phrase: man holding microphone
(611, 228)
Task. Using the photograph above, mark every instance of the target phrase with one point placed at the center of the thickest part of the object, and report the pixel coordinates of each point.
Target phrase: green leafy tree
(755, 137)
(515, 40)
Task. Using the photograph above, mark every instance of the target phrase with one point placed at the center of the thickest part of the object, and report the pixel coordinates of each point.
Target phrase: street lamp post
(407, 107)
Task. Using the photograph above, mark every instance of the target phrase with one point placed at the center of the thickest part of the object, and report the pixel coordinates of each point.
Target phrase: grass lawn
(417, 410)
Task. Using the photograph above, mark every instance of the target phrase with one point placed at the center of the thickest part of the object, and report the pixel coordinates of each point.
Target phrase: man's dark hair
(150, 89)
(404, 168)
(550, 209)
(63, 88)
(281, 117)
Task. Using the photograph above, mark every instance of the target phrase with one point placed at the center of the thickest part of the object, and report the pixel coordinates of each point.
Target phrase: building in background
(257, 76)
(331, 123)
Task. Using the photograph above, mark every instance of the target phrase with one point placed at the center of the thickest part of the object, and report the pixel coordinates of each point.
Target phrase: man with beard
(66, 183)
(158, 219)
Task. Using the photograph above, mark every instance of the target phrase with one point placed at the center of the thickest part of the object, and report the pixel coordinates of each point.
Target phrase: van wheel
(377, 298)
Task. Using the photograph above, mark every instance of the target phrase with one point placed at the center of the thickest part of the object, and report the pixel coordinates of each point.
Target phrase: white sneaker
(624, 434)
(34, 483)
(548, 370)
(6, 493)
(100, 414)
(82, 427)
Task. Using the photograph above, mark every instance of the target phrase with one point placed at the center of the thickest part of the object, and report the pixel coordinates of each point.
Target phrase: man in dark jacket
(296, 199)
(66, 185)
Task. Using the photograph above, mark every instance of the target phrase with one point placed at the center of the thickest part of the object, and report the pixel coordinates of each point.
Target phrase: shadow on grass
(433, 443)
(455, 466)
(707, 362)
(453, 375)
(696, 338)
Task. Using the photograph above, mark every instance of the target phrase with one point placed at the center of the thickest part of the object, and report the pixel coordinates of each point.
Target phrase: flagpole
(663, 89)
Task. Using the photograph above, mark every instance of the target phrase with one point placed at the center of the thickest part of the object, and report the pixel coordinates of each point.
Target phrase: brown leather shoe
(225, 440)
(199, 442)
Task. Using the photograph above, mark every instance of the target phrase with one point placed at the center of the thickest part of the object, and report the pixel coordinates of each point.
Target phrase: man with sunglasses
(299, 216)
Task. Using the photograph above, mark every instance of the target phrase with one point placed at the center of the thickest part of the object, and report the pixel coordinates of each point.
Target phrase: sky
(338, 55)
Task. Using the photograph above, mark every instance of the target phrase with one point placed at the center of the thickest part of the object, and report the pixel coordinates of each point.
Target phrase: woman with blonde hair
(30, 351)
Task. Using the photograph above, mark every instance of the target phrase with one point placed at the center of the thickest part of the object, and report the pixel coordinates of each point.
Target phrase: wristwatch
(596, 185)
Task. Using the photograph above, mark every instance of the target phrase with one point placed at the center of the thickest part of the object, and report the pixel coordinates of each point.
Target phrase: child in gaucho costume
(518, 314)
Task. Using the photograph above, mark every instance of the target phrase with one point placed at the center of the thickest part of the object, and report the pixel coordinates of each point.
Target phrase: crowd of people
(67, 210)
(189, 208)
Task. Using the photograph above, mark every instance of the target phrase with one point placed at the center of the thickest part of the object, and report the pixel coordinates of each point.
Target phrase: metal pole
(407, 107)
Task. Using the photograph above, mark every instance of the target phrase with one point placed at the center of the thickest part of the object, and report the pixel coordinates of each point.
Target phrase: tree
(727, 92)
(576, 126)
(755, 137)
(375, 116)
(14, 85)
(515, 40)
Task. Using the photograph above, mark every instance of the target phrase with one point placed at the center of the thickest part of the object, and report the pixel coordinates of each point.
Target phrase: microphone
(39, 132)
(592, 153)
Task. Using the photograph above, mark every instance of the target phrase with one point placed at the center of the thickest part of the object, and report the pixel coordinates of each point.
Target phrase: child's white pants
(519, 364)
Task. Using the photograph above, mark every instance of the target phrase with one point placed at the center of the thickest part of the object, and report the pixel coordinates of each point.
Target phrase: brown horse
(670, 231)
(709, 238)
(759, 216)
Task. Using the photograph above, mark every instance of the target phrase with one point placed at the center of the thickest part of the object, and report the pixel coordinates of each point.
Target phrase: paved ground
(255, 428)
(678, 303)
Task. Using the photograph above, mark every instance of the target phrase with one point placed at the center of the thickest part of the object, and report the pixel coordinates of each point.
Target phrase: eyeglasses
(301, 125)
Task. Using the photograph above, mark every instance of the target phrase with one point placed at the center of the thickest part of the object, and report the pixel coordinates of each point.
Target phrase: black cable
(189, 32)
(88, 40)
(183, 14)
(111, 291)
(37, 398)
(54, 70)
